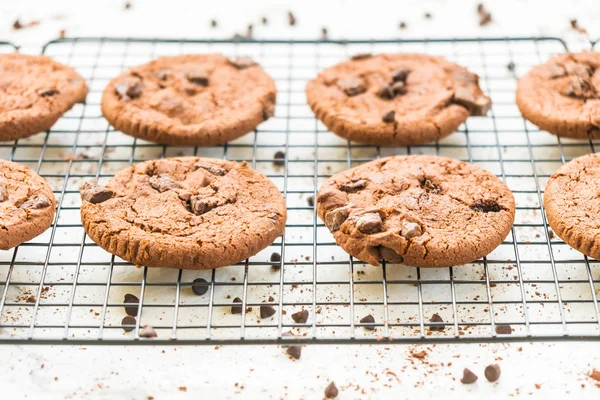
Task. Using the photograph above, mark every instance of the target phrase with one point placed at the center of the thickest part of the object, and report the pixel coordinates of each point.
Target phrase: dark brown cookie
(35, 92)
(572, 204)
(423, 211)
(188, 212)
(27, 204)
(563, 95)
(194, 100)
(395, 99)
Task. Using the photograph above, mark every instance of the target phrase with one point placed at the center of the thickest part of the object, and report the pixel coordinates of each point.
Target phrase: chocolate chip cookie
(35, 92)
(563, 95)
(191, 100)
(395, 99)
(27, 204)
(572, 203)
(188, 212)
(422, 211)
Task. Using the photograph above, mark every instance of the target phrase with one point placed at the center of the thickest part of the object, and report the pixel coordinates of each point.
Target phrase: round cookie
(187, 212)
(562, 96)
(35, 91)
(190, 100)
(395, 99)
(27, 204)
(421, 211)
(572, 204)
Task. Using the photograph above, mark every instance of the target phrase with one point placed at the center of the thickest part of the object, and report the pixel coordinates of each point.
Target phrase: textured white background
(120, 372)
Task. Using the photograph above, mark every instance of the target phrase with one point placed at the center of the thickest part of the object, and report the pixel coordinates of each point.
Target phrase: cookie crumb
(291, 19)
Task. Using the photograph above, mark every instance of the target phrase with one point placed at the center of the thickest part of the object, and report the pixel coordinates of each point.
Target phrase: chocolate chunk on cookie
(193, 100)
(562, 96)
(27, 204)
(572, 203)
(422, 211)
(187, 212)
(35, 91)
(429, 95)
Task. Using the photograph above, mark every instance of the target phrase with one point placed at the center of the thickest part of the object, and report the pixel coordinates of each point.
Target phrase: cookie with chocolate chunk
(395, 99)
(187, 212)
(562, 96)
(27, 204)
(35, 91)
(421, 211)
(190, 100)
(572, 203)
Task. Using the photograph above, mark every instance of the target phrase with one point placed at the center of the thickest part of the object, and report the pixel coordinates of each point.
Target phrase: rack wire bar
(62, 288)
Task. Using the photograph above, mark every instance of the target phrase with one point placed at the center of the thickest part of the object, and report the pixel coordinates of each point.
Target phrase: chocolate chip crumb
(428, 15)
(236, 309)
(492, 372)
(503, 329)
(128, 320)
(485, 206)
(389, 117)
(331, 391)
(148, 332)
(294, 351)
(436, 318)
(275, 257)
(127, 5)
(134, 301)
(468, 377)
(411, 230)
(324, 33)
(402, 25)
(311, 201)
(369, 223)
(485, 17)
(213, 23)
(361, 56)
(291, 19)
(94, 193)
(300, 317)
(36, 202)
(575, 25)
(368, 320)
(264, 20)
(511, 66)
(266, 311)
(279, 158)
(200, 286)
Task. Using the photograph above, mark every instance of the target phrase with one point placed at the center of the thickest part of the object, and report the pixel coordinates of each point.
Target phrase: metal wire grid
(62, 288)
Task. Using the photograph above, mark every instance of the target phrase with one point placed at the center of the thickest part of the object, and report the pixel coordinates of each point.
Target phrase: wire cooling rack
(62, 288)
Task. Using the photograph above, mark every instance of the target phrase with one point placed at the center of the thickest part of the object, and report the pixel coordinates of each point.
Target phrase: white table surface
(360, 371)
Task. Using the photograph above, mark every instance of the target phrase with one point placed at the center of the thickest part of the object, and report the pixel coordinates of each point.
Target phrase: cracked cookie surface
(35, 91)
(194, 100)
(423, 211)
(186, 212)
(395, 99)
(572, 201)
(562, 96)
(27, 204)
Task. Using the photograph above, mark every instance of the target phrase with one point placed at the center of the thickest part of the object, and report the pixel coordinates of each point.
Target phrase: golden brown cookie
(572, 202)
(35, 91)
(422, 211)
(395, 99)
(562, 96)
(188, 212)
(27, 204)
(193, 100)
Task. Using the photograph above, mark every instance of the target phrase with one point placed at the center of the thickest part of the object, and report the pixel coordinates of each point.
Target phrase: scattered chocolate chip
(294, 351)
(436, 318)
(133, 308)
(236, 309)
(385, 92)
(200, 205)
(331, 391)
(361, 56)
(400, 74)
(575, 25)
(389, 117)
(291, 19)
(578, 87)
(468, 377)
(503, 329)
(478, 105)
(264, 20)
(324, 33)
(128, 320)
(427, 15)
(36, 202)
(197, 75)
(17, 25)
(311, 201)
(351, 86)
(243, 62)
(368, 320)
(399, 88)
(94, 193)
(148, 332)
(300, 317)
(485, 206)
(129, 88)
(402, 25)
(510, 66)
(550, 234)
(279, 158)
(335, 218)
(127, 5)
(369, 223)
(250, 31)
(492, 372)
(411, 230)
(353, 186)
(390, 255)
(213, 23)
(485, 17)
(275, 258)
(200, 286)
(3, 193)
(213, 169)
(266, 311)
(47, 92)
